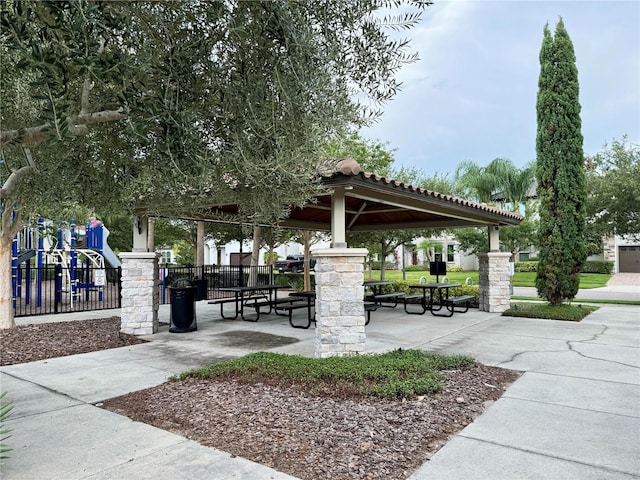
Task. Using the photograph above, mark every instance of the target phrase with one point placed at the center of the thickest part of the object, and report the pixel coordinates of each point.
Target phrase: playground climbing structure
(80, 259)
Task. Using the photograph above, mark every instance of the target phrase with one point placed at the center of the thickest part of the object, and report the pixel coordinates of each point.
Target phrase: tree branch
(10, 223)
(36, 135)
(84, 101)
(14, 178)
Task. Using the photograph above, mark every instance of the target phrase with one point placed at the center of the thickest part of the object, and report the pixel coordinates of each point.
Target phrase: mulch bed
(29, 343)
(309, 436)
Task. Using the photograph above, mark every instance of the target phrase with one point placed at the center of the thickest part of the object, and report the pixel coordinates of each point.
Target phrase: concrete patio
(573, 414)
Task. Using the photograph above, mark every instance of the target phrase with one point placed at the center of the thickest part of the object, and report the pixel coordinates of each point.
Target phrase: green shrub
(588, 267)
(416, 268)
(376, 265)
(473, 290)
(528, 266)
(455, 268)
(403, 286)
(600, 266)
(5, 411)
(293, 280)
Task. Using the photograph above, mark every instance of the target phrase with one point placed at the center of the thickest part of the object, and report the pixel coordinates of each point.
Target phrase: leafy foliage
(595, 266)
(613, 202)
(400, 373)
(5, 410)
(281, 80)
(165, 108)
(372, 156)
(560, 170)
(590, 266)
(499, 182)
(381, 243)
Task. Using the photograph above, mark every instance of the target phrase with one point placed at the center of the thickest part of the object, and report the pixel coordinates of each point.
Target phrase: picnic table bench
(256, 296)
(463, 300)
(391, 297)
(223, 300)
(435, 302)
(368, 308)
(300, 300)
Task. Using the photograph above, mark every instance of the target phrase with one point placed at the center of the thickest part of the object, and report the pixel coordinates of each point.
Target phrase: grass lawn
(520, 279)
(571, 313)
(400, 373)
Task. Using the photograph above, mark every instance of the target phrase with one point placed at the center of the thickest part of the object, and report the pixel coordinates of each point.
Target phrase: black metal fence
(58, 289)
(209, 278)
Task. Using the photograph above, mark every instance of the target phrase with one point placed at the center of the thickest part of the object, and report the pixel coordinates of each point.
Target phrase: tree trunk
(306, 235)
(200, 245)
(255, 255)
(383, 255)
(6, 295)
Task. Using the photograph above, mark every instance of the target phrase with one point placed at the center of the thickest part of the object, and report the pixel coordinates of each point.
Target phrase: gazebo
(353, 200)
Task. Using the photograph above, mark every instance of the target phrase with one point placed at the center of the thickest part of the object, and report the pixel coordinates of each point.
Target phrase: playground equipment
(80, 257)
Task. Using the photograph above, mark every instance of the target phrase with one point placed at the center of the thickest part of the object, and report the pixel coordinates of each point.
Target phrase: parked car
(293, 264)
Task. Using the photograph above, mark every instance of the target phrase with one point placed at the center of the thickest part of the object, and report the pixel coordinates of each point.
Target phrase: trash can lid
(182, 283)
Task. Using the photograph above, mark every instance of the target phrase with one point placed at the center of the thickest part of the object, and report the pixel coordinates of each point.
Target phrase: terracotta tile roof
(349, 168)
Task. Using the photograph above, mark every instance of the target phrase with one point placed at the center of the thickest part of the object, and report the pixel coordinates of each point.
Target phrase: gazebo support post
(494, 276)
(140, 292)
(340, 315)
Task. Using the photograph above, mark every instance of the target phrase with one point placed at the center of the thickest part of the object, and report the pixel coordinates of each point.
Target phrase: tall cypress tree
(560, 170)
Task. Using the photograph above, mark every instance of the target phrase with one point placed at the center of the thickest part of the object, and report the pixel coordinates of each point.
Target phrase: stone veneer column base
(339, 301)
(140, 299)
(495, 282)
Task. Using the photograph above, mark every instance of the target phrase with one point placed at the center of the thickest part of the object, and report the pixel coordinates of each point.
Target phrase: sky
(472, 94)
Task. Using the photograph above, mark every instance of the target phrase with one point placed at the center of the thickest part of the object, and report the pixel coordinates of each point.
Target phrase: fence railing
(209, 278)
(58, 289)
(54, 289)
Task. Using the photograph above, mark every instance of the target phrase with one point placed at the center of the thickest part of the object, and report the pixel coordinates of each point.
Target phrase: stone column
(339, 301)
(140, 298)
(495, 280)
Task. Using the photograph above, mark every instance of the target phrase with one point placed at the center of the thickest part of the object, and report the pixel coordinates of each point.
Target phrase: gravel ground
(282, 426)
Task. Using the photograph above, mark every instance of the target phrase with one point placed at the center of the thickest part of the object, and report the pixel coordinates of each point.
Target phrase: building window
(449, 253)
(166, 256)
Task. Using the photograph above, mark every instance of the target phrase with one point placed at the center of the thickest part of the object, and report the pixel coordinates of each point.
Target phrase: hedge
(403, 286)
(588, 267)
(598, 266)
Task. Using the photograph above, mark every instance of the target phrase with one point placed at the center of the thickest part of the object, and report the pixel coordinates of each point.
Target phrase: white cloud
(472, 94)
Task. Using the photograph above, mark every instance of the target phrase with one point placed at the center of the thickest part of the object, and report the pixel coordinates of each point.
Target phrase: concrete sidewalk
(573, 414)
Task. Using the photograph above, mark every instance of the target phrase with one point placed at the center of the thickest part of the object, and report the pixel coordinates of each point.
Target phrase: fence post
(58, 287)
(120, 287)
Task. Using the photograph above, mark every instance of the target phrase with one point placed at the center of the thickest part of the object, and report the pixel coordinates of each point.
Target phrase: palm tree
(500, 181)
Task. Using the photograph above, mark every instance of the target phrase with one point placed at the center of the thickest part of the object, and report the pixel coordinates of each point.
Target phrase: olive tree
(167, 107)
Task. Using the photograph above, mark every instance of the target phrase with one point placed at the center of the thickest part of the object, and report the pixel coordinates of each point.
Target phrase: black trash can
(182, 295)
(201, 288)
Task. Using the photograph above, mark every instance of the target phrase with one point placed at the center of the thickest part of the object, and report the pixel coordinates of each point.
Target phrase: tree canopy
(499, 181)
(613, 202)
(222, 99)
(160, 107)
